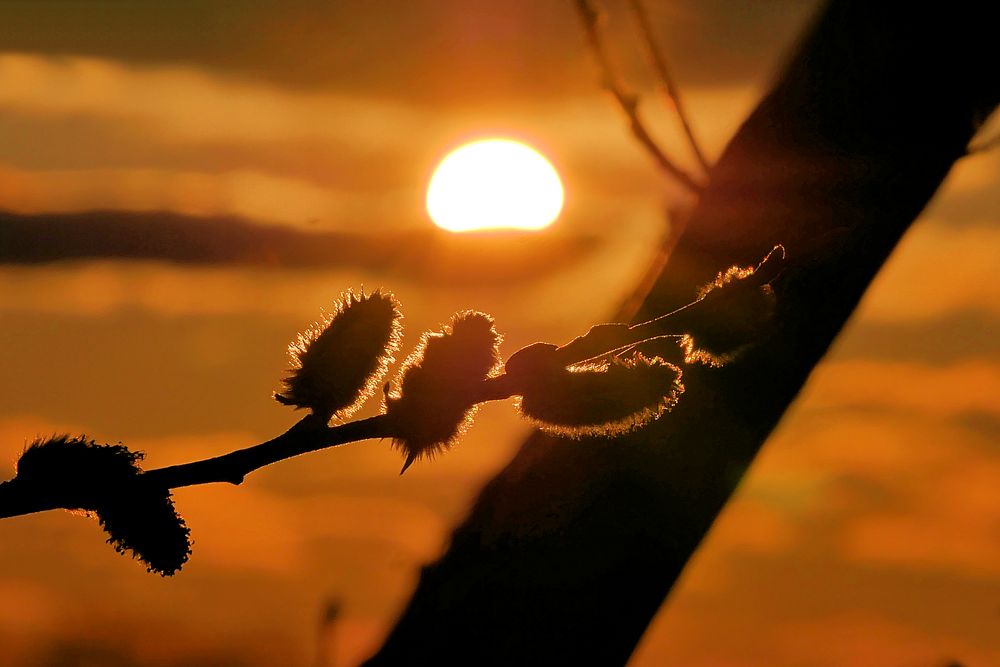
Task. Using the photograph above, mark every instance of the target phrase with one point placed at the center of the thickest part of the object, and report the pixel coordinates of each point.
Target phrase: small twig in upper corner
(659, 61)
(627, 100)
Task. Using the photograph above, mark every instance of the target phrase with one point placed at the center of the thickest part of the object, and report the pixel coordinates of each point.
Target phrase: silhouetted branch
(627, 100)
(310, 434)
(670, 89)
(574, 389)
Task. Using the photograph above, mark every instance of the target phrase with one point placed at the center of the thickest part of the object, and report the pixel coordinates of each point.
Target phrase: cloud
(193, 106)
(422, 255)
(246, 528)
(870, 639)
(902, 484)
(970, 195)
(119, 136)
(518, 48)
(26, 608)
(800, 608)
(944, 516)
(186, 106)
(937, 271)
(247, 194)
(968, 387)
(941, 341)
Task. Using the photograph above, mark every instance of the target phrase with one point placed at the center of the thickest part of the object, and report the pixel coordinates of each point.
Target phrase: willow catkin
(338, 363)
(736, 310)
(603, 400)
(106, 481)
(436, 391)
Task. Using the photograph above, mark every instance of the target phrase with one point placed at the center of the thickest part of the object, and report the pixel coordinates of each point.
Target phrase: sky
(185, 186)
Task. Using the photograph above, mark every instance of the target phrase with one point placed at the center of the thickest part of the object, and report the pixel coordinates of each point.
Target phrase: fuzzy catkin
(106, 481)
(435, 393)
(338, 363)
(736, 311)
(601, 400)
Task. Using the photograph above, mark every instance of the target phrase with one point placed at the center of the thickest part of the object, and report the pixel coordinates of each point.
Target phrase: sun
(494, 184)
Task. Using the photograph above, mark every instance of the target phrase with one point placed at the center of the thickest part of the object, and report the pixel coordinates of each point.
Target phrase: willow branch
(715, 308)
(312, 433)
(308, 435)
(670, 89)
(627, 100)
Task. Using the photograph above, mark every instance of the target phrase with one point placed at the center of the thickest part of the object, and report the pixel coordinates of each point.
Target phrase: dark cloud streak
(941, 341)
(420, 254)
(438, 51)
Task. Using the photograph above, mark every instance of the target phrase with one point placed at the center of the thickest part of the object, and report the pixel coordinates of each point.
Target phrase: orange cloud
(972, 386)
(868, 639)
(947, 518)
(937, 269)
(248, 194)
(192, 105)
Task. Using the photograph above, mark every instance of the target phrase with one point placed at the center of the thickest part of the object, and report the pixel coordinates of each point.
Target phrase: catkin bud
(736, 310)
(603, 400)
(338, 363)
(436, 391)
(106, 481)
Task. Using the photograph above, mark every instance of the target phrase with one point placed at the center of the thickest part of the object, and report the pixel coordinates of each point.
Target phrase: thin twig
(312, 433)
(627, 100)
(605, 339)
(308, 435)
(670, 89)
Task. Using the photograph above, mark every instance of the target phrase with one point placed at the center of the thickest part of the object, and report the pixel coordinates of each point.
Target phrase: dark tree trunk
(570, 550)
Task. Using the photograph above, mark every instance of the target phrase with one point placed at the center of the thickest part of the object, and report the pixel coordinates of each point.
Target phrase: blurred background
(184, 186)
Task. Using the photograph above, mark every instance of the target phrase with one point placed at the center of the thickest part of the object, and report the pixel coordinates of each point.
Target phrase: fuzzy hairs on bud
(606, 399)
(338, 363)
(435, 394)
(737, 310)
(106, 481)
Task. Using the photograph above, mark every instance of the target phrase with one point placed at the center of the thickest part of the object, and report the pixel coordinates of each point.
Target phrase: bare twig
(627, 100)
(605, 339)
(312, 432)
(659, 62)
(308, 435)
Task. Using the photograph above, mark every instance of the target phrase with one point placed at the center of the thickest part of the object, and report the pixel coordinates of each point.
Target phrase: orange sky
(865, 534)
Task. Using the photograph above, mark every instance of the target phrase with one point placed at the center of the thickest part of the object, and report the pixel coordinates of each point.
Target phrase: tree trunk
(571, 549)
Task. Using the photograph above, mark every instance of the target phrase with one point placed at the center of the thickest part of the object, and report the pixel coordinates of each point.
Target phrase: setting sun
(494, 184)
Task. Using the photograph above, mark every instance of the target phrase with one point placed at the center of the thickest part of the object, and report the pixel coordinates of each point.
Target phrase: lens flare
(494, 184)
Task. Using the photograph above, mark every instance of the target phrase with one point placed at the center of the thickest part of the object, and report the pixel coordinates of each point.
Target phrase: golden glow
(494, 184)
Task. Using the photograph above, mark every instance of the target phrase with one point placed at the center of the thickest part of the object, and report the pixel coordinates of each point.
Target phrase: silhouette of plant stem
(602, 345)
(658, 59)
(310, 434)
(627, 100)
